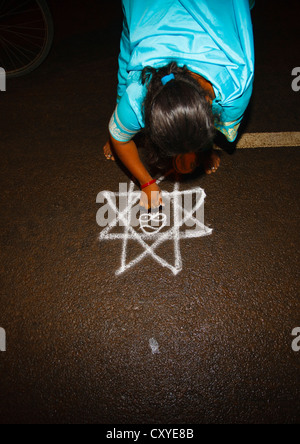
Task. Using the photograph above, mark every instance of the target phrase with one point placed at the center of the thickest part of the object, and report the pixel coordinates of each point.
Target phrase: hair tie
(167, 79)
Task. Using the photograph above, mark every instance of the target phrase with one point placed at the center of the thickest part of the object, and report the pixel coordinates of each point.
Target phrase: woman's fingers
(108, 152)
(156, 202)
(144, 201)
(153, 201)
(161, 202)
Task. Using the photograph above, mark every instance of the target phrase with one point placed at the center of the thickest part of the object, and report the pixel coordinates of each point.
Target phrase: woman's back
(213, 39)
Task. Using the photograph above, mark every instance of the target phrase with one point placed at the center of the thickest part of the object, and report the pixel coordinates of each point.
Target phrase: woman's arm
(128, 154)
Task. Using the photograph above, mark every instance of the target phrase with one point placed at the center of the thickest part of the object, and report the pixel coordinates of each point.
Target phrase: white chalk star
(159, 236)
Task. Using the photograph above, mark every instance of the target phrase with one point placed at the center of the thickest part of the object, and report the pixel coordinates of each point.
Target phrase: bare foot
(211, 162)
(108, 152)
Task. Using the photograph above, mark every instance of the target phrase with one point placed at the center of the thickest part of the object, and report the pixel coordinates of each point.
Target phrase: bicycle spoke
(13, 11)
(26, 33)
(12, 61)
(23, 35)
(20, 49)
(28, 38)
(32, 29)
(16, 56)
(21, 24)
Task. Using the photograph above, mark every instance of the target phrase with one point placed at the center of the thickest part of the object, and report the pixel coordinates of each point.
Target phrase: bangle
(148, 184)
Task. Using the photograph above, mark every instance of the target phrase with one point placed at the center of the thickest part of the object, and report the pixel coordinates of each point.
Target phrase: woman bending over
(186, 69)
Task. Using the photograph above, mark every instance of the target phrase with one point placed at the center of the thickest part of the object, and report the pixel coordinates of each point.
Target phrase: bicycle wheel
(26, 35)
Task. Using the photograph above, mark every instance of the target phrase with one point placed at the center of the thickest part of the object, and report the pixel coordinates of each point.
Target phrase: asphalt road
(212, 344)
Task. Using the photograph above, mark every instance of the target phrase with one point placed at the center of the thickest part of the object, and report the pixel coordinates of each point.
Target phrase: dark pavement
(77, 335)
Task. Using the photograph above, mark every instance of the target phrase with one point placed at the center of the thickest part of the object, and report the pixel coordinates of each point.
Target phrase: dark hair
(178, 116)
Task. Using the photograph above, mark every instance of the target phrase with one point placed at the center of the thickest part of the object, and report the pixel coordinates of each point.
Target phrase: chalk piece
(154, 346)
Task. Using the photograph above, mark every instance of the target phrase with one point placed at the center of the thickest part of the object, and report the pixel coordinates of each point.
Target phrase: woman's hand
(151, 197)
(127, 153)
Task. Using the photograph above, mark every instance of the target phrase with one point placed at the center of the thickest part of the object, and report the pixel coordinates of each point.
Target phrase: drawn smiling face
(152, 224)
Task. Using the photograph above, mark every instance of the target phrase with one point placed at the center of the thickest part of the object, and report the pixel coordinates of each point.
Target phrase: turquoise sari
(213, 38)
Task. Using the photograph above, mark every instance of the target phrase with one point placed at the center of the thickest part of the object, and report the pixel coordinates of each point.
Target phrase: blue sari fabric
(212, 38)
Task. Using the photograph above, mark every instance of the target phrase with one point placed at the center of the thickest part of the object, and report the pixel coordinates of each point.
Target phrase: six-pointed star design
(173, 234)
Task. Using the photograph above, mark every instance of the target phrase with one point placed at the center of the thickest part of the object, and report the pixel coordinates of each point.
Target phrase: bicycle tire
(45, 47)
